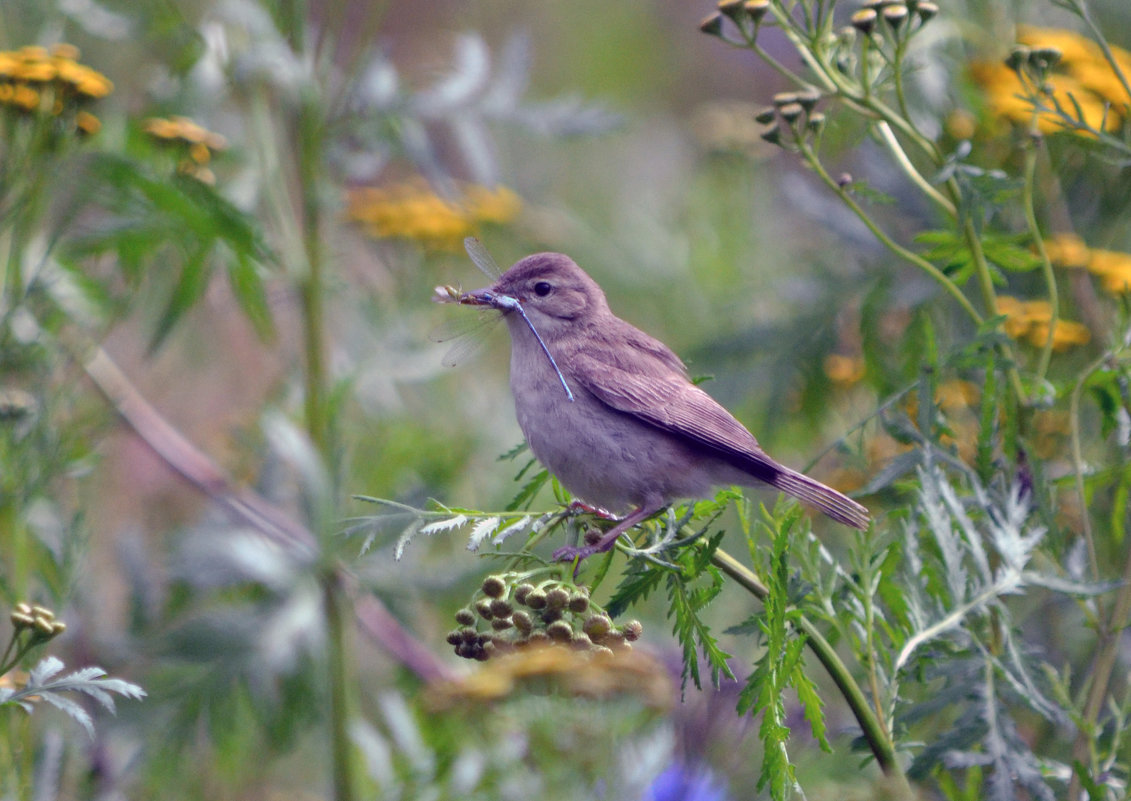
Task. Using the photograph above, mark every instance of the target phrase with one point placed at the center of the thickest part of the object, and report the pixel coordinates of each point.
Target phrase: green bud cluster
(897, 17)
(746, 15)
(791, 118)
(511, 612)
(32, 625)
(38, 619)
(1034, 63)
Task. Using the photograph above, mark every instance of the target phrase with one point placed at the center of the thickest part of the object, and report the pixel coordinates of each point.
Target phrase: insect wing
(467, 334)
(482, 258)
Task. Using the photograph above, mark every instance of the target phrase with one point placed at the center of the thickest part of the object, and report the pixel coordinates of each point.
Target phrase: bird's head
(554, 293)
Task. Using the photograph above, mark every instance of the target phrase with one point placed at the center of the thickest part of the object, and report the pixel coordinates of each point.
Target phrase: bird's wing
(643, 382)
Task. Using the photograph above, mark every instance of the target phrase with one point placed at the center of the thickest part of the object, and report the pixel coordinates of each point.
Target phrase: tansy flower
(1029, 321)
(44, 83)
(1112, 267)
(413, 211)
(1082, 77)
(193, 143)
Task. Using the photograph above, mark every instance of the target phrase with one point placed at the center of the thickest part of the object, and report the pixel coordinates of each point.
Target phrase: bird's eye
(543, 288)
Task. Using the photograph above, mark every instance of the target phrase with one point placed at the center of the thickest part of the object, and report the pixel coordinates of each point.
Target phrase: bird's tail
(837, 506)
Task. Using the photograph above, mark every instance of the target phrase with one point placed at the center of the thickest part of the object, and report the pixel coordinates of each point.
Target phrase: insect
(465, 343)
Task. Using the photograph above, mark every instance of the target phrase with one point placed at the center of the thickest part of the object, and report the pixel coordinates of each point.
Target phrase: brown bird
(610, 411)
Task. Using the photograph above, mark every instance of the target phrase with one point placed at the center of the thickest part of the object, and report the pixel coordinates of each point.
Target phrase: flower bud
(864, 20)
(1017, 56)
(784, 99)
(581, 642)
(557, 598)
(597, 627)
(560, 631)
(455, 637)
(483, 607)
(791, 111)
(522, 622)
(772, 134)
(632, 630)
(927, 11)
(501, 608)
(465, 617)
(895, 15)
(536, 599)
(808, 98)
(766, 116)
(712, 24)
(501, 623)
(494, 587)
(756, 9)
(1045, 58)
(43, 612)
(579, 601)
(522, 591)
(731, 8)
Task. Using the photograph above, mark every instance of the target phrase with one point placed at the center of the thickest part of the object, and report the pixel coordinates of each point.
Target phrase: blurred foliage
(916, 250)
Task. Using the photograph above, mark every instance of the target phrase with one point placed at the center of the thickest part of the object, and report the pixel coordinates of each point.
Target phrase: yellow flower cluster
(569, 671)
(195, 144)
(1029, 321)
(1110, 266)
(1082, 75)
(35, 80)
(412, 210)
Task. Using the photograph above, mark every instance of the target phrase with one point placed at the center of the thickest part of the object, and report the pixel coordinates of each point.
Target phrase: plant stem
(934, 272)
(1046, 265)
(339, 680)
(881, 746)
(309, 127)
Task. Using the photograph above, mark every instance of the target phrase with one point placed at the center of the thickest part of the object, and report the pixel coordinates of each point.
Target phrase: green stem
(309, 126)
(1046, 265)
(339, 680)
(937, 275)
(878, 741)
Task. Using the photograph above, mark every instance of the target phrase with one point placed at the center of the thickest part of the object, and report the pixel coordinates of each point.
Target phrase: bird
(612, 413)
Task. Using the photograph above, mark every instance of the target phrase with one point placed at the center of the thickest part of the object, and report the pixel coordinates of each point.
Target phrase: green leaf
(193, 281)
(247, 285)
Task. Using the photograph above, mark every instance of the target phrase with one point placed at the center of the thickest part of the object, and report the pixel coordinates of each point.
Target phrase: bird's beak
(488, 297)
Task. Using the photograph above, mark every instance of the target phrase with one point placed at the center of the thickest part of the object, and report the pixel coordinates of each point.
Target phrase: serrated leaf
(481, 531)
(445, 524)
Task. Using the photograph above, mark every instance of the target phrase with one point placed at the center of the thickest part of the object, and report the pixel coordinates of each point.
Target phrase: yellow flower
(195, 143)
(563, 668)
(1029, 321)
(1110, 266)
(26, 98)
(957, 394)
(1067, 250)
(87, 123)
(1113, 269)
(412, 210)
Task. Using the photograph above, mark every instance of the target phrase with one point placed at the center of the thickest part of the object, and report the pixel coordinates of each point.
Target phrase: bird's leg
(571, 552)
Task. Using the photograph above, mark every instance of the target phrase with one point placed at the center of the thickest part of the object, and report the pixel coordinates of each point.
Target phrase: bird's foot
(570, 553)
